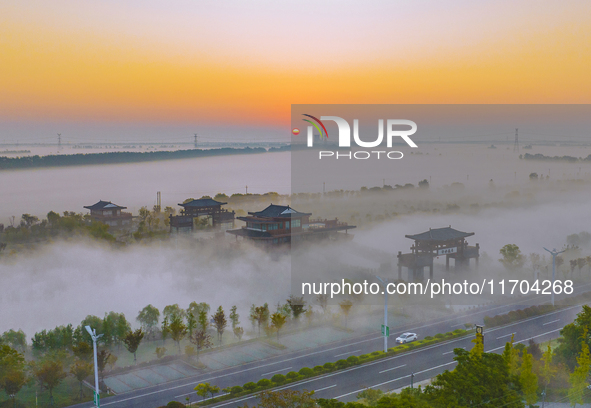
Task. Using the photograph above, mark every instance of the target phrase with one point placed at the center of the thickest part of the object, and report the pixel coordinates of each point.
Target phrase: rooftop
(202, 203)
(104, 205)
(440, 234)
(279, 211)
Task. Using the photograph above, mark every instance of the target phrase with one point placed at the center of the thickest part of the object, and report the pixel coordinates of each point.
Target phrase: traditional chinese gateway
(434, 243)
(280, 224)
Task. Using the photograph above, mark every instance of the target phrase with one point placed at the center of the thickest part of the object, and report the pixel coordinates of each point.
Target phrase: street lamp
(92, 333)
(386, 329)
(554, 253)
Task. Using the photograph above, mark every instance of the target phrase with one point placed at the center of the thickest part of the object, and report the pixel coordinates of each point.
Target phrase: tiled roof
(104, 205)
(202, 202)
(440, 234)
(279, 211)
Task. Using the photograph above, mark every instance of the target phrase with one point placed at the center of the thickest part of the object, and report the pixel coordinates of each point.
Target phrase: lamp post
(386, 328)
(92, 333)
(553, 253)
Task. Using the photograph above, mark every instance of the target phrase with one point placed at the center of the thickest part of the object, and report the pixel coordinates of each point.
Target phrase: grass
(64, 395)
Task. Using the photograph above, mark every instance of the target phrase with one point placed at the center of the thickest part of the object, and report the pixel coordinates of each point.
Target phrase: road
(389, 373)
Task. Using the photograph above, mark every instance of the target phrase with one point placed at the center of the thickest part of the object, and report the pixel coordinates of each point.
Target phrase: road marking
(325, 388)
(390, 369)
(350, 353)
(276, 371)
(521, 341)
(449, 352)
(396, 379)
(553, 321)
(507, 335)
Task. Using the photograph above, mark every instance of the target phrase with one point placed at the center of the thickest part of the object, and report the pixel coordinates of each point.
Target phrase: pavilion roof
(440, 234)
(104, 205)
(202, 203)
(279, 211)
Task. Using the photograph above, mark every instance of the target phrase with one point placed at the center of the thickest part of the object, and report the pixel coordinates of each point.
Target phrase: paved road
(389, 373)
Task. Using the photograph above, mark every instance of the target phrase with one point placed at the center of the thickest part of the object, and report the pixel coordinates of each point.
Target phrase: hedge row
(516, 315)
(306, 372)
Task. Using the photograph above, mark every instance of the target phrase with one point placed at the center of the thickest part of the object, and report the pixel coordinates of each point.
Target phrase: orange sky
(220, 62)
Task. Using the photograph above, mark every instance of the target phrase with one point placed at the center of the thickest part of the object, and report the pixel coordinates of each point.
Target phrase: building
(203, 214)
(432, 244)
(280, 224)
(110, 214)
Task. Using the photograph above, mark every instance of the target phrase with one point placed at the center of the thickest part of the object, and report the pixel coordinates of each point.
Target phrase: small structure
(202, 214)
(281, 224)
(434, 243)
(110, 214)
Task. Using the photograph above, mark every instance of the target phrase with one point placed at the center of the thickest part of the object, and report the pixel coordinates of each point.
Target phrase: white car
(406, 337)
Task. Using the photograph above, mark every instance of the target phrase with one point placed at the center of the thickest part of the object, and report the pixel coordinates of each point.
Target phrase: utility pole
(516, 145)
(385, 329)
(246, 190)
(195, 140)
(553, 253)
(92, 333)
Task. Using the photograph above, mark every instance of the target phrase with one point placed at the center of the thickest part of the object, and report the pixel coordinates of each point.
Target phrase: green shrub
(278, 378)
(458, 331)
(428, 338)
(363, 356)
(265, 382)
(449, 334)
(353, 360)
(306, 371)
(292, 375)
(235, 390)
(175, 404)
(342, 364)
(439, 336)
(249, 386)
(329, 366)
(399, 348)
(376, 353)
(318, 369)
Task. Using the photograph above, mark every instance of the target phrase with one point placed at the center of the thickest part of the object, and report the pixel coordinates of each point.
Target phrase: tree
(83, 351)
(80, 370)
(202, 319)
(238, 332)
(234, 316)
(15, 339)
(197, 308)
(261, 316)
(528, 380)
(511, 257)
(297, 305)
(160, 352)
(202, 340)
(191, 323)
(50, 373)
(12, 371)
(102, 359)
(165, 330)
(148, 317)
(547, 370)
(322, 300)
(202, 389)
(132, 341)
(220, 322)
(287, 399)
(178, 330)
(278, 320)
(173, 310)
(346, 309)
(578, 379)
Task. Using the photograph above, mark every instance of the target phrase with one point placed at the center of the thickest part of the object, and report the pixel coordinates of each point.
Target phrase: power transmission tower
(195, 140)
(516, 145)
(59, 140)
